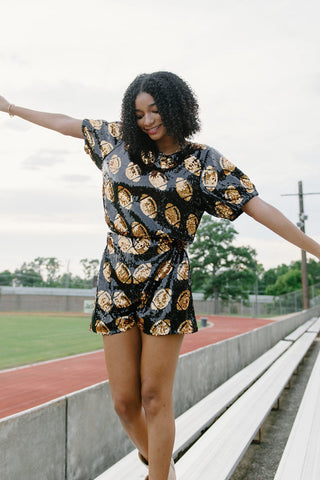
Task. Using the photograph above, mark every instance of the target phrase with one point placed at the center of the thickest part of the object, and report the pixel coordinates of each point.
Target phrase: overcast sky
(253, 64)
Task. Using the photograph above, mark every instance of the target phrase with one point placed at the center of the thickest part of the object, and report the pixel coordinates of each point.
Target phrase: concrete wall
(43, 299)
(33, 444)
(92, 420)
(78, 436)
(37, 299)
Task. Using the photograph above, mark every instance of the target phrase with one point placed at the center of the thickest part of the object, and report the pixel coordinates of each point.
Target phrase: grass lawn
(33, 337)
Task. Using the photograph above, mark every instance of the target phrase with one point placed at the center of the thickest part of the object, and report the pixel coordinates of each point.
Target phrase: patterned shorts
(148, 287)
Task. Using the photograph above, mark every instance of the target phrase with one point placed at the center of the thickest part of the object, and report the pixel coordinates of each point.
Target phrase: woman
(156, 186)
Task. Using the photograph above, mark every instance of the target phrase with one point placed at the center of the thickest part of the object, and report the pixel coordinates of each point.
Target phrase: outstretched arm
(273, 219)
(54, 121)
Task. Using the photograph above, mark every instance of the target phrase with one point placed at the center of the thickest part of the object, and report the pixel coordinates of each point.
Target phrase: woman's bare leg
(123, 356)
(158, 365)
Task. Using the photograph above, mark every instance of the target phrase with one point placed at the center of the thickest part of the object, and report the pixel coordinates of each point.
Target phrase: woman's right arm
(54, 121)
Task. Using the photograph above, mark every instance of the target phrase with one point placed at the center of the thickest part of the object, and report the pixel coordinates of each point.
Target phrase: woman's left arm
(273, 219)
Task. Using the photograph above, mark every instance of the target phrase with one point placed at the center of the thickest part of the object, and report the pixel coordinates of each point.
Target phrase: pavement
(28, 386)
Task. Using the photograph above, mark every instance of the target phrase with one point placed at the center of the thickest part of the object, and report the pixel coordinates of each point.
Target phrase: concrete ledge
(77, 437)
(33, 443)
(96, 438)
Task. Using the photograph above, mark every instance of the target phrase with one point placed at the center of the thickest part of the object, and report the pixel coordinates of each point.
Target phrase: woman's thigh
(122, 355)
(159, 359)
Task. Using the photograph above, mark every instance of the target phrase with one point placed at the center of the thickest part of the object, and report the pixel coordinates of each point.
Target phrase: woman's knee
(154, 398)
(127, 407)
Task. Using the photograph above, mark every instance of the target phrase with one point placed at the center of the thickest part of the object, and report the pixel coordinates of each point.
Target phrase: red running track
(29, 386)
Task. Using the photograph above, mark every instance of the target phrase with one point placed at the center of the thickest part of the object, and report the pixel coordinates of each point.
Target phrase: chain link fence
(75, 300)
(293, 302)
(259, 305)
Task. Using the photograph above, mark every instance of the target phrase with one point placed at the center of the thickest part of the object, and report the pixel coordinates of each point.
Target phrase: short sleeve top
(163, 194)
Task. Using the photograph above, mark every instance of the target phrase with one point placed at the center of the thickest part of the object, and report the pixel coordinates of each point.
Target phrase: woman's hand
(4, 104)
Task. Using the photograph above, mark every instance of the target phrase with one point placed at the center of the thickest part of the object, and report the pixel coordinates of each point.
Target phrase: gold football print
(161, 299)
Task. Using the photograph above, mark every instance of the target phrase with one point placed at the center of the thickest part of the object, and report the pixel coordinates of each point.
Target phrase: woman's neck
(168, 145)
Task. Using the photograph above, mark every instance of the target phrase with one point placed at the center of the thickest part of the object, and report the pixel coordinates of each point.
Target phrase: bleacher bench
(293, 336)
(315, 327)
(301, 456)
(223, 445)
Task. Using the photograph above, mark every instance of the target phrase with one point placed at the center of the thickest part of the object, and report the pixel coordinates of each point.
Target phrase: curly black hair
(176, 103)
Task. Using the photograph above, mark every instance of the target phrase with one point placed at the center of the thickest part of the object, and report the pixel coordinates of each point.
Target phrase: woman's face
(148, 117)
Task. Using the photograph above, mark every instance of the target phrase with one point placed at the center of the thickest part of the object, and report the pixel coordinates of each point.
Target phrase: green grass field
(29, 338)
(34, 337)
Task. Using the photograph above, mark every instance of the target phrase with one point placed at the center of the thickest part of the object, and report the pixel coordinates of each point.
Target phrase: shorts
(145, 283)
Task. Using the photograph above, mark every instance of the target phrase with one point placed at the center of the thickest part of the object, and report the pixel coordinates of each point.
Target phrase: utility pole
(304, 267)
(301, 225)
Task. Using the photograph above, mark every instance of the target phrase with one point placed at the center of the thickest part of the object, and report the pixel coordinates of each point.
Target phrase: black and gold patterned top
(153, 207)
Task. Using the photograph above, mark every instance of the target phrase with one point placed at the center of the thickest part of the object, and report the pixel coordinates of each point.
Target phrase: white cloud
(43, 158)
(72, 179)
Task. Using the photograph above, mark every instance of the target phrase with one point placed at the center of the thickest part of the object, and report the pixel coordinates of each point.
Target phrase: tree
(219, 268)
(90, 268)
(286, 283)
(52, 266)
(6, 278)
(287, 278)
(270, 276)
(314, 270)
(67, 280)
(40, 272)
(44, 272)
(48, 268)
(37, 265)
(27, 277)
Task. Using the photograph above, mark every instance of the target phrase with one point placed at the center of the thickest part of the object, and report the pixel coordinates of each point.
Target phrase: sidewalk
(29, 386)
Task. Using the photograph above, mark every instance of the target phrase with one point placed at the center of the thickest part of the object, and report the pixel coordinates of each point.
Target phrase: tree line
(46, 272)
(219, 268)
(222, 269)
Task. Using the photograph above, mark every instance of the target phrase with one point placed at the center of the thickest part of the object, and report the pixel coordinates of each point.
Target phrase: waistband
(137, 245)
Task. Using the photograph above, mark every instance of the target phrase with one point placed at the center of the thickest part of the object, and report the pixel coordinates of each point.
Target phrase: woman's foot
(172, 470)
(143, 460)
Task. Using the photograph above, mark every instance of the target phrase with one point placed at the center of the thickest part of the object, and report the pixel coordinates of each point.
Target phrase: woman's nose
(148, 119)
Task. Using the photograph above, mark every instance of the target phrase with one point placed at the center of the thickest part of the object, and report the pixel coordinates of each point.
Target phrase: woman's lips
(152, 131)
